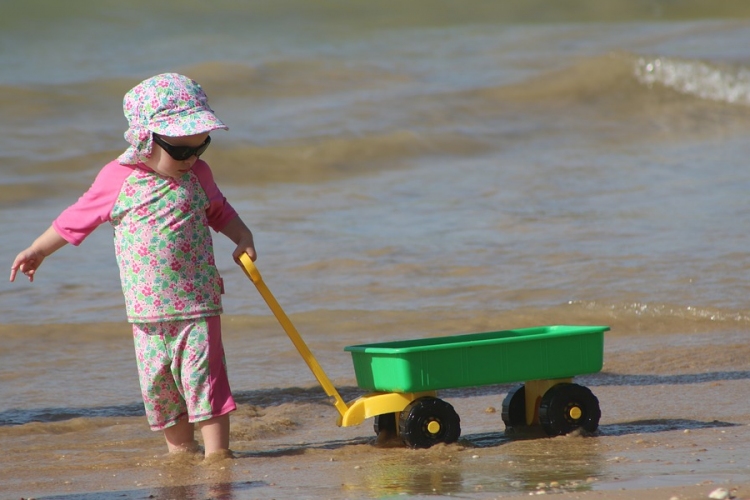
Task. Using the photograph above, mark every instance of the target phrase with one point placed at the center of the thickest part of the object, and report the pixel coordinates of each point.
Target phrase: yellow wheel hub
(433, 427)
(575, 413)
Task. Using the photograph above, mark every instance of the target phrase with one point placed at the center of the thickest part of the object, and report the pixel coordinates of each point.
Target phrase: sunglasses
(182, 153)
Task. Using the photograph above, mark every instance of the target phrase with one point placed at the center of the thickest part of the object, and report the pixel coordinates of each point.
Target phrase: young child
(161, 199)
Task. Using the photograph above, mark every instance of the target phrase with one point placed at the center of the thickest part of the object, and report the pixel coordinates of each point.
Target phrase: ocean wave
(629, 80)
(326, 158)
(702, 79)
(660, 311)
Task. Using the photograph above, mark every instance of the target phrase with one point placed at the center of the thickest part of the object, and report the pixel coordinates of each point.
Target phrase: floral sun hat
(169, 104)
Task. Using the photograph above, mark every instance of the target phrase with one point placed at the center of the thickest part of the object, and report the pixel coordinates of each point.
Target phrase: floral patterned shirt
(162, 239)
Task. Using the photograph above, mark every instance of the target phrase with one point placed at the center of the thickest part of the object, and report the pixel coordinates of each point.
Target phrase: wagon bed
(428, 364)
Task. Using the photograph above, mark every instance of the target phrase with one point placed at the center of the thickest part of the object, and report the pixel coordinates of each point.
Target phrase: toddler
(161, 199)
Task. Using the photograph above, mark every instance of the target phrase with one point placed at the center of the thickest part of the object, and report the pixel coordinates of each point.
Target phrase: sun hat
(169, 104)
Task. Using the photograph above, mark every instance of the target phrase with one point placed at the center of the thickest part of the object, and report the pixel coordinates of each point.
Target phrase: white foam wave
(697, 78)
(664, 311)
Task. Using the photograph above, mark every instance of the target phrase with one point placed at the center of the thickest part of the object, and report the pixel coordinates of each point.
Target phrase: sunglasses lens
(182, 153)
(203, 147)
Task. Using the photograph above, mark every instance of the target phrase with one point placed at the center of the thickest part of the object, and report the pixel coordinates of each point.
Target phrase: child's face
(163, 164)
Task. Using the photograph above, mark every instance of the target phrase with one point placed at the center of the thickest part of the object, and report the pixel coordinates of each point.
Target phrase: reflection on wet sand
(415, 474)
(213, 491)
(567, 463)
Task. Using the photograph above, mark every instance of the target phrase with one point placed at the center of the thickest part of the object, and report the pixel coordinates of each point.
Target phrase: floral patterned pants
(182, 370)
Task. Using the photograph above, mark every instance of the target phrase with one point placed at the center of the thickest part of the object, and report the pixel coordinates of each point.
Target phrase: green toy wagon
(404, 377)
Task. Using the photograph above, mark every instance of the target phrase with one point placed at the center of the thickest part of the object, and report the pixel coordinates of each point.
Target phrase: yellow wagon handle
(252, 272)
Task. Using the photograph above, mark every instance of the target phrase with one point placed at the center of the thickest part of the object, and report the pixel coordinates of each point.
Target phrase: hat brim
(191, 122)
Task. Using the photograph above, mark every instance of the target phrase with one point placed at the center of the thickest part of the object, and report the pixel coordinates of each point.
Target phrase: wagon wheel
(385, 423)
(428, 421)
(514, 408)
(566, 407)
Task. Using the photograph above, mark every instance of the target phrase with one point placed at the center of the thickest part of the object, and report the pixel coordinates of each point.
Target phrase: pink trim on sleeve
(94, 207)
(219, 212)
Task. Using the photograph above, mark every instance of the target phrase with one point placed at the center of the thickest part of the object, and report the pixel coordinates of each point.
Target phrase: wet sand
(675, 424)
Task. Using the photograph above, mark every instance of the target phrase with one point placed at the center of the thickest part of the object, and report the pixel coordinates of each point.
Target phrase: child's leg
(181, 436)
(205, 384)
(183, 378)
(215, 433)
(165, 407)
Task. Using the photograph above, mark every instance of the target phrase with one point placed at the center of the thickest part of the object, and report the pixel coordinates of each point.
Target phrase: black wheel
(514, 408)
(385, 423)
(428, 421)
(567, 407)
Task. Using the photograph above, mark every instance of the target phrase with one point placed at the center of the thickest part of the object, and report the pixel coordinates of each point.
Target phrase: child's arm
(75, 222)
(238, 232)
(30, 259)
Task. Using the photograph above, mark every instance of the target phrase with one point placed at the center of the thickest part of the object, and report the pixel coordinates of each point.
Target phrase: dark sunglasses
(182, 153)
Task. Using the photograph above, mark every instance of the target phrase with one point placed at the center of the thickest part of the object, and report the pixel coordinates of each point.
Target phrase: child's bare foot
(218, 456)
(184, 455)
(189, 448)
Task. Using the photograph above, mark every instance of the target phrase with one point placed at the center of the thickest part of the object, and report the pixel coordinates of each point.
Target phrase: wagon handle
(252, 272)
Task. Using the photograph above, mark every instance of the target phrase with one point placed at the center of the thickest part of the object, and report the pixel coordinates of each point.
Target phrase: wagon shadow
(652, 426)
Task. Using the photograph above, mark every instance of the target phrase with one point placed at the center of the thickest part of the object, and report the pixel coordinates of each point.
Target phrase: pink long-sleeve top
(162, 239)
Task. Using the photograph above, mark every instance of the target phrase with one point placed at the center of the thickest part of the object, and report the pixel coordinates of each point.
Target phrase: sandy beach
(674, 425)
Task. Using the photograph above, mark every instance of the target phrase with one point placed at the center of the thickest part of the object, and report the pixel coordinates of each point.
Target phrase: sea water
(500, 163)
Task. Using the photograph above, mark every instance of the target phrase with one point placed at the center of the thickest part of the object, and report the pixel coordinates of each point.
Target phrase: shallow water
(408, 171)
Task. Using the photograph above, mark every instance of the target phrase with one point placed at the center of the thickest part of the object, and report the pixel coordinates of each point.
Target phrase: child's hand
(30, 259)
(245, 245)
(27, 262)
(237, 231)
